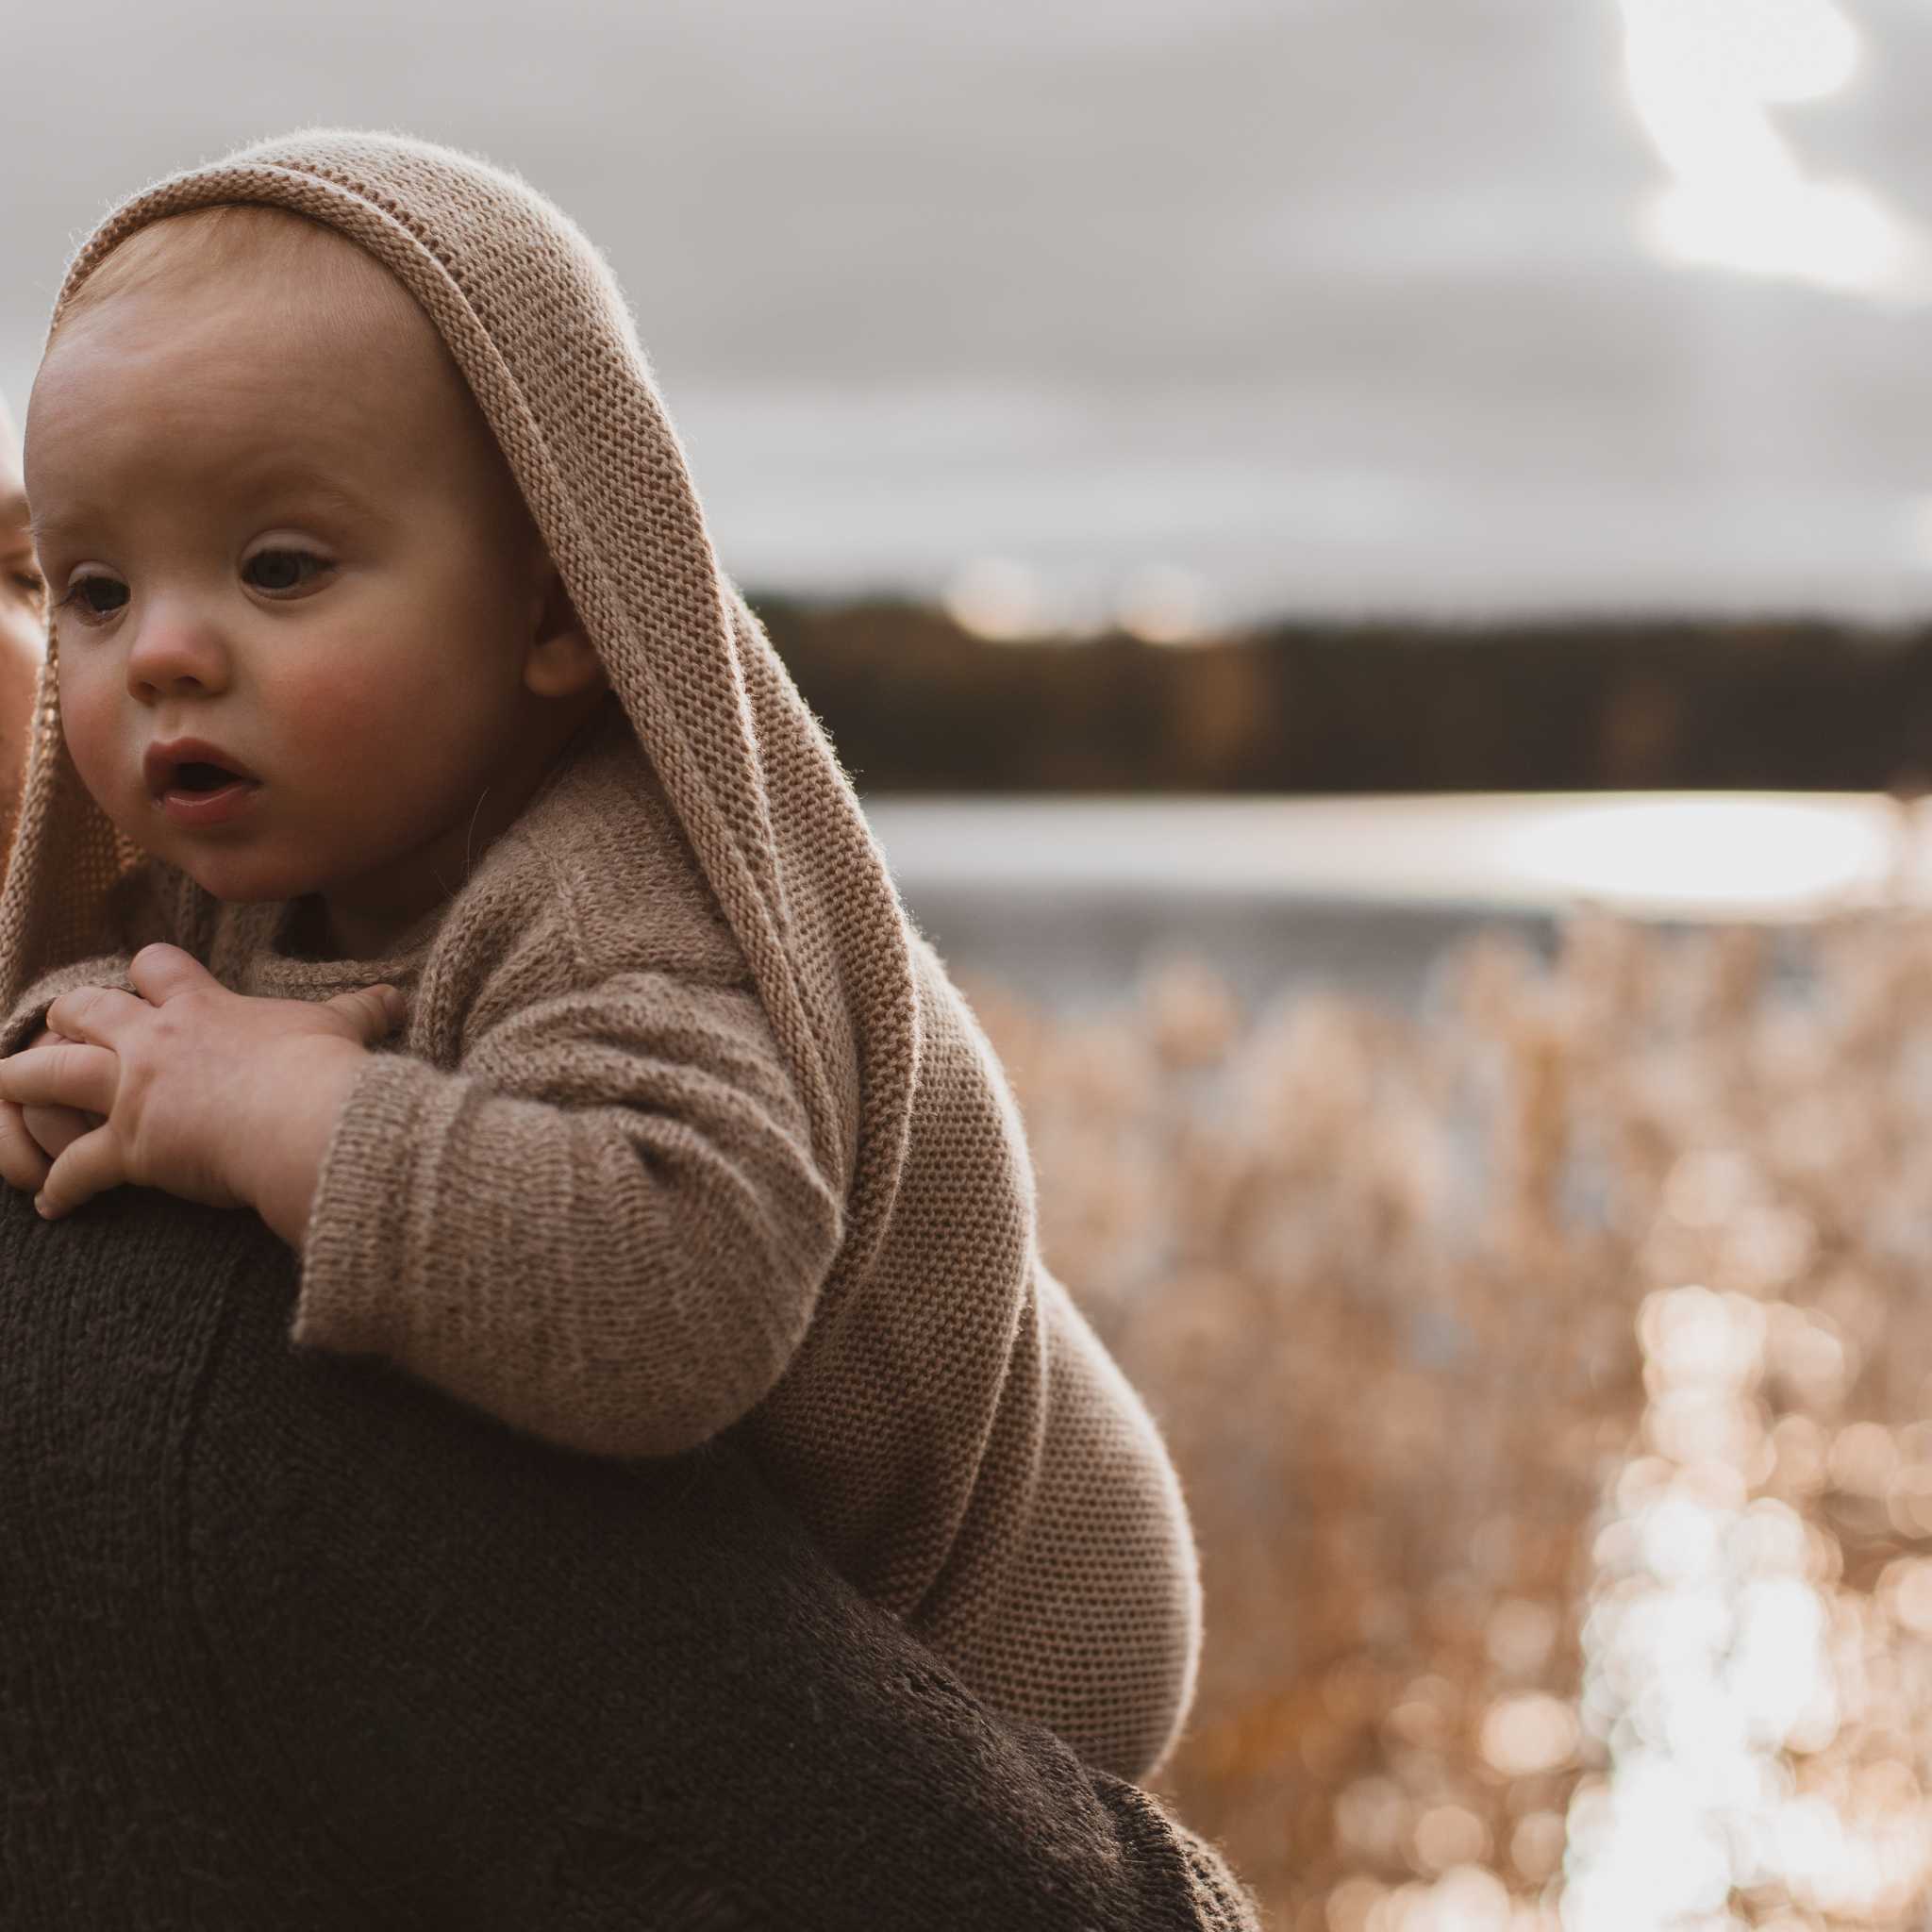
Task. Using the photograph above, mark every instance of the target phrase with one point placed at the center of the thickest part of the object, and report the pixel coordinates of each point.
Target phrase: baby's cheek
(340, 726)
(87, 724)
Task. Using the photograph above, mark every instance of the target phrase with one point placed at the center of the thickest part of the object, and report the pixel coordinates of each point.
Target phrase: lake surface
(1069, 898)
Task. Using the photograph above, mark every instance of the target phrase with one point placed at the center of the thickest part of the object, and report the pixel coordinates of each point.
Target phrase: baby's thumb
(375, 1009)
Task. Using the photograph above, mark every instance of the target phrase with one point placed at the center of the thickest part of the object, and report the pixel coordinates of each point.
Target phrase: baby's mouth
(191, 768)
(197, 776)
(200, 793)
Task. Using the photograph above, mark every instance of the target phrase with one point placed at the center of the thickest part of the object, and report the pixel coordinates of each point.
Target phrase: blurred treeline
(914, 702)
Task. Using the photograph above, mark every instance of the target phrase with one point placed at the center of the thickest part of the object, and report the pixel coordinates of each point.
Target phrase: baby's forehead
(283, 274)
(247, 305)
(246, 248)
(241, 342)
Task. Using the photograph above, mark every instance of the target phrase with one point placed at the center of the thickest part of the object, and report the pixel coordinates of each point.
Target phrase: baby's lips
(164, 758)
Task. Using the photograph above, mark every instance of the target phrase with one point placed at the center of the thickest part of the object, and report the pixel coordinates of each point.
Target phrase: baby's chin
(232, 884)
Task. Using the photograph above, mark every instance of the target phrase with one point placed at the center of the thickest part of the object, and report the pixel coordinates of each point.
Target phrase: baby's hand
(196, 1088)
(32, 1136)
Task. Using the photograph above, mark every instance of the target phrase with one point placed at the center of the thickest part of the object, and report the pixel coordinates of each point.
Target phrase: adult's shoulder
(294, 1641)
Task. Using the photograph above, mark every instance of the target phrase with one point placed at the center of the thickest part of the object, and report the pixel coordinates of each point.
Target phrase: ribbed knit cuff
(370, 1239)
(30, 1010)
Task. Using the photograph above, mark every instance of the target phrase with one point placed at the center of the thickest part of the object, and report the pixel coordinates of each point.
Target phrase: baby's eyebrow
(279, 488)
(13, 511)
(285, 484)
(42, 524)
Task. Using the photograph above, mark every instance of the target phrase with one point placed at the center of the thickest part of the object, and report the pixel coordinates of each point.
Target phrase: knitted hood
(537, 323)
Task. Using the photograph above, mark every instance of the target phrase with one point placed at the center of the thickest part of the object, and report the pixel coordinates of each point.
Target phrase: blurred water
(1069, 899)
(1085, 947)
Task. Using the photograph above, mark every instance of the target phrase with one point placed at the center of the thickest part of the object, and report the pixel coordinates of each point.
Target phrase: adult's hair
(290, 1639)
(20, 646)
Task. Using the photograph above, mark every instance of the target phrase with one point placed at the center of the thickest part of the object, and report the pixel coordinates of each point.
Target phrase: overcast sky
(1306, 304)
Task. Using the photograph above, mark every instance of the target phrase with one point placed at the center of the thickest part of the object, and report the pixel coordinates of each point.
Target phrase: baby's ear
(562, 660)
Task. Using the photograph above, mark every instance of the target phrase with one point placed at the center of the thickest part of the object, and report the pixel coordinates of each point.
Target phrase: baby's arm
(605, 1226)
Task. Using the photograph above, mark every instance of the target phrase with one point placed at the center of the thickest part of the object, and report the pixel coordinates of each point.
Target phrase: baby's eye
(95, 596)
(279, 571)
(31, 584)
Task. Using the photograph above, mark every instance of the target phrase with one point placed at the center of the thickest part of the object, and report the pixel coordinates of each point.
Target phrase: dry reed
(1545, 1371)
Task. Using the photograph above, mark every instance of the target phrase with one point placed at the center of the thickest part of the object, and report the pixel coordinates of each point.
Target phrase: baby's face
(281, 527)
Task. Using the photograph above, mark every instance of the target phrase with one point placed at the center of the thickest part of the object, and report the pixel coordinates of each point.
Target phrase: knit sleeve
(605, 1226)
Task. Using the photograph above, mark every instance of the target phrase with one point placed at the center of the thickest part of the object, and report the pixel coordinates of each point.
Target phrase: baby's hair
(335, 279)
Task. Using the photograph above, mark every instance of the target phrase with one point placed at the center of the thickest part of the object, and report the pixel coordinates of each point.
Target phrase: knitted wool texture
(293, 1644)
(689, 1129)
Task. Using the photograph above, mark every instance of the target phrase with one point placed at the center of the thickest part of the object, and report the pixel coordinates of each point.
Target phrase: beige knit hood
(537, 322)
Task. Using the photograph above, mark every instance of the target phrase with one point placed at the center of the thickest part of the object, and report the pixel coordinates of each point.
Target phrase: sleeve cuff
(374, 1213)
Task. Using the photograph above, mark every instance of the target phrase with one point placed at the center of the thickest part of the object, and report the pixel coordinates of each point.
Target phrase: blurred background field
(1547, 1367)
(1533, 1295)
(1372, 561)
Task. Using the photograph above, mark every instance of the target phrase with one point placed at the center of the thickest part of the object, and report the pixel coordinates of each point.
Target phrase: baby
(423, 847)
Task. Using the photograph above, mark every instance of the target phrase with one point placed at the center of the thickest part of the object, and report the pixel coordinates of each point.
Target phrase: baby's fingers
(90, 1166)
(57, 1129)
(62, 1074)
(22, 1163)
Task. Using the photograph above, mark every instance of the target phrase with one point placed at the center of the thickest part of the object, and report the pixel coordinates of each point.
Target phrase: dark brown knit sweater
(289, 1642)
